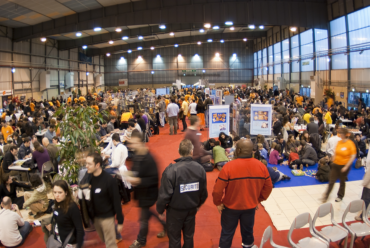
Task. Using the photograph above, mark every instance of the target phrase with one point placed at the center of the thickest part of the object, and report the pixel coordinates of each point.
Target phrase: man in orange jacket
(241, 185)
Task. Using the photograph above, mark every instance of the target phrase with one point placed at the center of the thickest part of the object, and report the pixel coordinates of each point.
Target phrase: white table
(20, 169)
(42, 133)
(345, 120)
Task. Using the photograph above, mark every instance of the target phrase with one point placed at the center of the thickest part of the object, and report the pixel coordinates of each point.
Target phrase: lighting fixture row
(179, 55)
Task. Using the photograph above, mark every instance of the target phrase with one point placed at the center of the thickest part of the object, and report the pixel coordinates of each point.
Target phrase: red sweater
(242, 184)
(293, 156)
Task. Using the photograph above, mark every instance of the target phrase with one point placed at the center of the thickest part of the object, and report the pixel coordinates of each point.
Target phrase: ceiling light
(129, 51)
(261, 27)
(108, 54)
(353, 89)
(172, 33)
(97, 29)
(251, 26)
(199, 43)
(217, 55)
(209, 40)
(158, 56)
(78, 34)
(222, 41)
(111, 42)
(151, 48)
(87, 73)
(162, 26)
(196, 55)
(201, 30)
(229, 23)
(176, 45)
(232, 28)
(216, 27)
(118, 30)
(13, 70)
(140, 37)
(84, 47)
(125, 38)
(207, 25)
(293, 29)
(204, 71)
(43, 39)
(367, 91)
(234, 54)
(152, 72)
(245, 39)
(122, 58)
(139, 48)
(179, 55)
(139, 57)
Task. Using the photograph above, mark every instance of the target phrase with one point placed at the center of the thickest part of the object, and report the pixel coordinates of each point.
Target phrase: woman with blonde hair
(200, 113)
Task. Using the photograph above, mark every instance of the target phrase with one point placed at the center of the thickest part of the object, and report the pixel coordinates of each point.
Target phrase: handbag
(53, 243)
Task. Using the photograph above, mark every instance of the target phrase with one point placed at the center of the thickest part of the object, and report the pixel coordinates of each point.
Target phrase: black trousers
(178, 221)
(145, 215)
(184, 125)
(229, 222)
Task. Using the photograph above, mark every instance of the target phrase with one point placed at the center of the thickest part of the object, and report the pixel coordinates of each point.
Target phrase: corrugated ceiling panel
(22, 75)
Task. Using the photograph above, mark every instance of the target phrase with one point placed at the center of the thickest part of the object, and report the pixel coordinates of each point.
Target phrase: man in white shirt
(332, 143)
(172, 112)
(193, 108)
(13, 229)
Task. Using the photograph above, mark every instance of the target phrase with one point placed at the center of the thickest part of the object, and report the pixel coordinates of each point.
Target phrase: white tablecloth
(18, 168)
(42, 132)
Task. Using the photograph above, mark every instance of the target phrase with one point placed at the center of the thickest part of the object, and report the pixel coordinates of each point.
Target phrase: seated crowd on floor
(19, 140)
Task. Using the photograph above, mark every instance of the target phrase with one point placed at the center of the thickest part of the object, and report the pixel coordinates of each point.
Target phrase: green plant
(329, 93)
(265, 86)
(93, 90)
(115, 90)
(77, 127)
(79, 92)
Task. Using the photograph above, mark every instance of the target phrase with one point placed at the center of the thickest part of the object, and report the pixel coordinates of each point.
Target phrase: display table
(21, 169)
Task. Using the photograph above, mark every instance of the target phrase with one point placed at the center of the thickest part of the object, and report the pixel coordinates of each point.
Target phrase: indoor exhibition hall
(184, 123)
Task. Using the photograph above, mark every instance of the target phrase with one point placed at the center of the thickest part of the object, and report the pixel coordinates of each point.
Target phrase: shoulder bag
(52, 242)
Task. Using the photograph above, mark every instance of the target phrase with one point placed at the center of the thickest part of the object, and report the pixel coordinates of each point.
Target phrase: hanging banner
(261, 119)
(122, 82)
(219, 118)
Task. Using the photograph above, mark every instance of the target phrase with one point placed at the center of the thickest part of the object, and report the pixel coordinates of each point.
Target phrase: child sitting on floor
(275, 158)
(263, 151)
(293, 160)
(323, 170)
(276, 175)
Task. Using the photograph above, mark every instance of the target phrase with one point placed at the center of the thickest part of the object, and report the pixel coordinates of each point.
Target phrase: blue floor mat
(354, 174)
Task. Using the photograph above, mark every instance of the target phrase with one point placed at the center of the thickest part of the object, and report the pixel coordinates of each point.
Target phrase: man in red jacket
(241, 185)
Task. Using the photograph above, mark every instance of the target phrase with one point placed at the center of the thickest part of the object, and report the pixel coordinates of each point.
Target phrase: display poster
(206, 90)
(218, 100)
(229, 100)
(213, 92)
(213, 98)
(160, 91)
(219, 93)
(219, 117)
(261, 119)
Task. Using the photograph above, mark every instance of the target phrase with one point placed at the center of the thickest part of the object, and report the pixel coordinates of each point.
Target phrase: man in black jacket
(207, 103)
(145, 185)
(312, 127)
(183, 190)
(276, 125)
(361, 145)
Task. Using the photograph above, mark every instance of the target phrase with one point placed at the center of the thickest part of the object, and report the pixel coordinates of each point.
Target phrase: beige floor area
(284, 204)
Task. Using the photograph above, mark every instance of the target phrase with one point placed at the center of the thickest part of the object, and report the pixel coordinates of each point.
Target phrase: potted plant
(330, 96)
(78, 129)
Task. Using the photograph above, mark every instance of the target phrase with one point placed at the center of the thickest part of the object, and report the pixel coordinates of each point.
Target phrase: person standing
(344, 155)
(105, 200)
(185, 109)
(193, 107)
(250, 178)
(162, 110)
(207, 103)
(172, 112)
(183, 190)
(145, 184)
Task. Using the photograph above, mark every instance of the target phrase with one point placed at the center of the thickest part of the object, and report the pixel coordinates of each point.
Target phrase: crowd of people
(241, 158)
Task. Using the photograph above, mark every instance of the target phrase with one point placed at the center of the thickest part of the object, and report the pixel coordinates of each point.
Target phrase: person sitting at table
(13, 229)
(9, 159)
(363, 127)
(110, 125)
(40, 155)
(16, 139)
(6, 130)
(8, 144)
(312, 126)
(8, 188)
(50, 133)
(25, 149)
(37, 200)
(307, 154)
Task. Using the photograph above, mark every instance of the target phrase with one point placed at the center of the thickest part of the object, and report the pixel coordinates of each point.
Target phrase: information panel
(160, 91)
(219, 120)
(261, 119)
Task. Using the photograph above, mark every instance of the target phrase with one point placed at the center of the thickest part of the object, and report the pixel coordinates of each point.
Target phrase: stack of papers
(20, 162)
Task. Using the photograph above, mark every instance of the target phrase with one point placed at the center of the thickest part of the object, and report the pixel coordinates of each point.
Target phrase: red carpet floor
(207, 232)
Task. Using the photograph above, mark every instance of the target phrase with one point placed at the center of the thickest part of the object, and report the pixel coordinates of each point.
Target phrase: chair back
(322, 211)
(353, 207)
(266, 236)
(47, 167)
(299, 221)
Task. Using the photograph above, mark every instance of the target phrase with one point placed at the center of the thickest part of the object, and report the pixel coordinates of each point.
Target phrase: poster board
(160, 91)
(218, 100)
(213, 97)
(261, 119)
(219, 120)
(229, 100)
(206, 91)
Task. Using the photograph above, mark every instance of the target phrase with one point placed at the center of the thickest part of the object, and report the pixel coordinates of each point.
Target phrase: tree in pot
(78, 129)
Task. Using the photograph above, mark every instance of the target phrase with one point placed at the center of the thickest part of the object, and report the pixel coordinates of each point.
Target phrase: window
(264, 61)
(255, 64)
(277, 58)
(259, 57)
(307, 50)
(271, 60)
(286, 56)
(338, 39)
(295, 53)
(321, 45)
(359, 33)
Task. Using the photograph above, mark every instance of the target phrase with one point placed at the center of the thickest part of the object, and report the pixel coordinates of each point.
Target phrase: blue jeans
(206, 113)
(229, 223)
(24, 231)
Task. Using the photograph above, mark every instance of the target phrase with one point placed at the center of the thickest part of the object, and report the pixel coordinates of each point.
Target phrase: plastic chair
(309, 242)
(47, 169)
(332, 233)
(356, 229)
(267, 235)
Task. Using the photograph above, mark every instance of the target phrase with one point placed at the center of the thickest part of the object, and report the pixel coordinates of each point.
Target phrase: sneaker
(358, 218)
(136, 244)
(338, 199)
(161, 234)
(285, 177)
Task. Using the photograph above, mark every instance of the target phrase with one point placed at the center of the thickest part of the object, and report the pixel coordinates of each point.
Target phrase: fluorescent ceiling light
(232, 28)
(222, 41)
(97, 29)
(118, 30)
(108, 54)
(216, 27)
(176, 45)
(261, 27)
(172, 33)
(140, 37)
(43, 39)
(217, 55)
(201, 30)
(78, 34)
(229, 23)
(207, 25)
(209, 40)
(151, 48)
(125, 38)
(139, 48)
(152, 72)
(245, 39)
(199, 43)
(162, 26)
(111, 42)
(129, 51)
(293, 29)
(84, 47)
(251, 26)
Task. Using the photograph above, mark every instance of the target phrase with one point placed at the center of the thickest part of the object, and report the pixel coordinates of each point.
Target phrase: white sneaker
(338, 199)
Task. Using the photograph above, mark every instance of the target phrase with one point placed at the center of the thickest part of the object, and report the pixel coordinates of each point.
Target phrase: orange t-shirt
(32, 106)
(95, 107)
(344, 151)
(113, 113)
(6, 131)
(299, 100)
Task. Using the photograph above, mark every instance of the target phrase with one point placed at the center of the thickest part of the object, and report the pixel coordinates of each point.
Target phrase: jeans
(161, 118)
(365, 197)
(178, 221)
(184, 124)
(24, 231)
(118, 235)
(206, 116)
(335, 173)
(229, 223)
(173, 124)
(219, 165)
(145, 215)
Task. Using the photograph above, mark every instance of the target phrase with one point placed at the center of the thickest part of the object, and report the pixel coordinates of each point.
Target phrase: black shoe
(285, 177)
